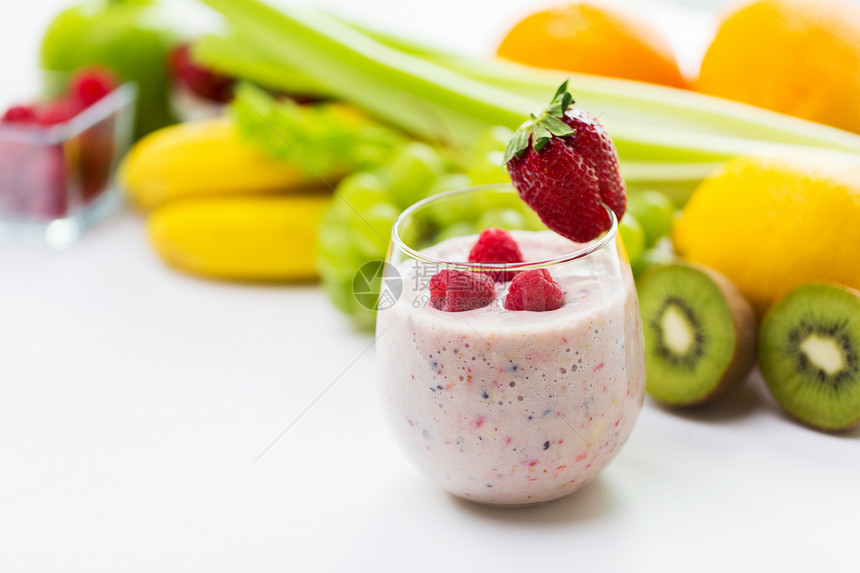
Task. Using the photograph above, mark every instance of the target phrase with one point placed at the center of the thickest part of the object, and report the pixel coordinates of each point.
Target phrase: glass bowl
(58, 180)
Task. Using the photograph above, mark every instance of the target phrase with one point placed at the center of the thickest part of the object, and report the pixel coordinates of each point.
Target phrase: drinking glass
(500, 406)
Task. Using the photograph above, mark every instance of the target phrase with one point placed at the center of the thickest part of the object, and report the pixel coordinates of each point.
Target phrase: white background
(133, 401)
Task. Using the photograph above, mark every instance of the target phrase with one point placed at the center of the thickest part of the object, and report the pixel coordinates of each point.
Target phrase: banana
(240, 238)
(204, 158)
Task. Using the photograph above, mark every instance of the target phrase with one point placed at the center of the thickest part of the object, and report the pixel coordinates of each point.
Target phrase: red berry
(46, 181)
(496, 246)
(562, 188)
(592, 142)
(565, 167)
(534, 290)
(94, 158)
(90, 85)
(20, 114)
(33, 180)
(203, 82)
(59, 111)
(456, 291)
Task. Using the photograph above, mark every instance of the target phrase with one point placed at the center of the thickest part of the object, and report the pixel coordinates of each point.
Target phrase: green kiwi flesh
(809, 353)
(699, 334)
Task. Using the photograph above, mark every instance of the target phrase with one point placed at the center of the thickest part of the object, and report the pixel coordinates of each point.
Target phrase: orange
(797, 57)
(592, 38)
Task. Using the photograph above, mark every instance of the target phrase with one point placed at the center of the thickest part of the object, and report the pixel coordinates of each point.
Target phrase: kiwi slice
(699, 333)
(809, 352)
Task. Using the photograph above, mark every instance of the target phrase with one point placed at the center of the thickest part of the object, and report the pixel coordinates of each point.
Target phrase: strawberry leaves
(539, 130)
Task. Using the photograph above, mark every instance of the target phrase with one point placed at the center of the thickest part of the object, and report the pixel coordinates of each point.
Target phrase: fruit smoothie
(514, 407)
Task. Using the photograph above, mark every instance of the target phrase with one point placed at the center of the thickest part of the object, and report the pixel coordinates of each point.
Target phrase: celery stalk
(637, 102)
(233, 56)
(422, 98)
(380, 88)
(619, 103)
(660, 106)
(664, 135)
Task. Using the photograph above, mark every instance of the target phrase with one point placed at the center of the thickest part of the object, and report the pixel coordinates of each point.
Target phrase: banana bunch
(218, 207)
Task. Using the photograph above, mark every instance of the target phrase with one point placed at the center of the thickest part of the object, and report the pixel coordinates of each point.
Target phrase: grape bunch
(648, 219)
(356, 228)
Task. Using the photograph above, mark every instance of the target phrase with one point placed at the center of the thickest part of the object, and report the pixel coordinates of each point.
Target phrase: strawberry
(496, 246)
(19, 114)
(565, 167)
(534, 290)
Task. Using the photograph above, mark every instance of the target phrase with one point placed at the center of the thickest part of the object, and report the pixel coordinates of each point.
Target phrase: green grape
(488, 169)
(332, 234)
(450, 182)
(356, 228)
(652, 258)
(456, 209)
(354, 231)
(494, 199)
(507, 219)
(412, 230)
(336, 258)
(413, 173)
(370, 230)
(358, 192)
(494, 139)
(532, 221)
(364, 318)
(654, 211)
(339, 292)
(633, 236)
(485, 164)
(455, 230)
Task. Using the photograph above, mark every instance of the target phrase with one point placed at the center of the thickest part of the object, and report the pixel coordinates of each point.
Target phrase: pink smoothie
(513, 407)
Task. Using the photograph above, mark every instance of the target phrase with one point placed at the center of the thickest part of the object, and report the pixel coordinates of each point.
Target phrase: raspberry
(565, 167)
(20, 114)
(59, 111)
(46, 173)
(201, 81)
(90, 85)
(94, 159)
(456, 291)
(534, 290)
(496, 246)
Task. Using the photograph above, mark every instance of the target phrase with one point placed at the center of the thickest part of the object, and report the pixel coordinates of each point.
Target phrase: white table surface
(133, 401)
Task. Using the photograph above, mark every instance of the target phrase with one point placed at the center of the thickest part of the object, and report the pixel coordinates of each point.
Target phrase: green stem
(235, 56)
(425, 99)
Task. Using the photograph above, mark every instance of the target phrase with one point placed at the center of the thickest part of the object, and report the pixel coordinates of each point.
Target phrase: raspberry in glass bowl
(58, 155)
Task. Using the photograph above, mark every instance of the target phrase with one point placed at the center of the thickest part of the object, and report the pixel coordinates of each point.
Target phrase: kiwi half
(809, 352)
(699, 333)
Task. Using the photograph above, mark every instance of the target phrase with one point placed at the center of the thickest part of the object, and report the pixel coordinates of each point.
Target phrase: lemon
(772, 222)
